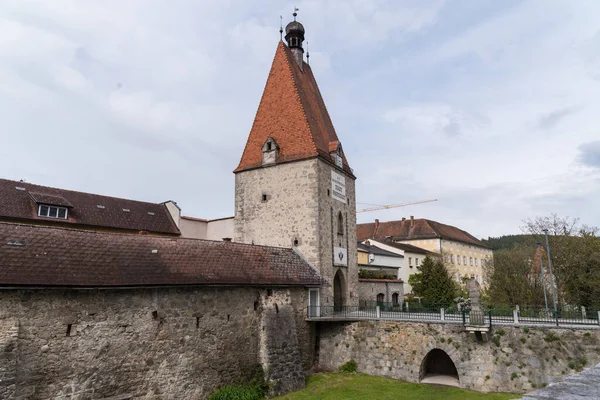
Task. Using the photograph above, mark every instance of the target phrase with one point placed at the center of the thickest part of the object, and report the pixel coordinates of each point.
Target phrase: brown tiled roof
(376, 250)
(420, 229)
(293, 113)
(48, 256)
(21, 205)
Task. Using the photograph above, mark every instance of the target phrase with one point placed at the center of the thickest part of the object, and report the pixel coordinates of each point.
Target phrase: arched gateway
(338, 290)
(438, 368)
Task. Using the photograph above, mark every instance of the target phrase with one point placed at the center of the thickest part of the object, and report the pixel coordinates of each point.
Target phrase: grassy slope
(335, 386)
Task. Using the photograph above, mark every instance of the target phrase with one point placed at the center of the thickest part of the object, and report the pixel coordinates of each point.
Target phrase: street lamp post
(551, 274)
(543, 276)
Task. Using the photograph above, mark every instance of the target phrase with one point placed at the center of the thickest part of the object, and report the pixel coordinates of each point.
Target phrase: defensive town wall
(163, 343)
(512, 360)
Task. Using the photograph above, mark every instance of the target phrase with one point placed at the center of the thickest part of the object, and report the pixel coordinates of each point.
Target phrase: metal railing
(571, 316)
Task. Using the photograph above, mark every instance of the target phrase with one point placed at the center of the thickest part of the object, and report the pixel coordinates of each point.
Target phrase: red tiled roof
(83, 209)
(421, 229)
(293, 113)
(48, 256)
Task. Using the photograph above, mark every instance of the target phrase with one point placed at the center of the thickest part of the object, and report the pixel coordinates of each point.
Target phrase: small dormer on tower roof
(270, 151)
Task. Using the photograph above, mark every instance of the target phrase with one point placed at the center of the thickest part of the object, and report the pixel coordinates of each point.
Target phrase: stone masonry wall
(9, 330)
(299, 206)
(516, 360)
(329, 208)
(168, 343)
(279, 350)
(290, 211)
(369, 289)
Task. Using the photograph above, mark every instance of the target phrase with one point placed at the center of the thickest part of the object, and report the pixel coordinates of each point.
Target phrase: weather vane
(295, 12)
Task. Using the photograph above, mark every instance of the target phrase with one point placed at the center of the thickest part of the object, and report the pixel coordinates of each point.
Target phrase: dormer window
(270, 151)
(48, 211)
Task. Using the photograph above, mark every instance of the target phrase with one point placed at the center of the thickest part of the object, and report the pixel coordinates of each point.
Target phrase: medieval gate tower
(293, 186)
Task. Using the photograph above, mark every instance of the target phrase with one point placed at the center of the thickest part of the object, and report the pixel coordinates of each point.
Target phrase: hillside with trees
(514, 275)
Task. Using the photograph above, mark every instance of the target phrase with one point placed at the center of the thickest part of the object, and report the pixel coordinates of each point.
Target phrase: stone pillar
(378, 312)
(279, 351)
(516, 317)
(442, 314)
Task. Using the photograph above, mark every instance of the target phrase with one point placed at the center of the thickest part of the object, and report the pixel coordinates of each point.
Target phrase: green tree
(575, 255)
(433, 283)
(512, 278)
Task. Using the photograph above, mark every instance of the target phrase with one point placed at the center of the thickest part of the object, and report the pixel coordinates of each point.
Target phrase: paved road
(582, 386)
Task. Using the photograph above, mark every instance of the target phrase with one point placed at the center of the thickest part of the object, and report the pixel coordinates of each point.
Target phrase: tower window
(340, 226)
(264, 197)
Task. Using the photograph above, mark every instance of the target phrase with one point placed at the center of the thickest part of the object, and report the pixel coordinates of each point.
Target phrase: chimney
(376, 228)
(227, 239)
(403, 219)
(412, 221)
(367, 243)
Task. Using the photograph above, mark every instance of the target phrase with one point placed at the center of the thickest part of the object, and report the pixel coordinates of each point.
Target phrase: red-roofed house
(463, 253)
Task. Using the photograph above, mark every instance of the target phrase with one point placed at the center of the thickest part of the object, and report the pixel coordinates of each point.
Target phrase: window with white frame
(416, 261)
(458, 259)
(49, 211)
(471, 261)
(465, 260)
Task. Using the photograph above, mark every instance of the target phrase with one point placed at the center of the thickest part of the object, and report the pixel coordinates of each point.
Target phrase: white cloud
(482, 106)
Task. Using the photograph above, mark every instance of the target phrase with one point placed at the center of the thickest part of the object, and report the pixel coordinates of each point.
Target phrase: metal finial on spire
(295, 14)
(307, 53)
(280, 27)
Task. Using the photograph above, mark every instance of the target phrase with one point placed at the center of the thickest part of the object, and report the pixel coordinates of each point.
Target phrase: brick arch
(438, 367)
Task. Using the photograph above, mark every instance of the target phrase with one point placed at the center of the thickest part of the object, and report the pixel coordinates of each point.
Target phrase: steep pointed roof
(293, 113)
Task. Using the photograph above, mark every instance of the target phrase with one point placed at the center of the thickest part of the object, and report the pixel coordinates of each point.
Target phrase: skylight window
(101, 207)
(126, 210)
(150, 213)
(48, 211)
(20, 188)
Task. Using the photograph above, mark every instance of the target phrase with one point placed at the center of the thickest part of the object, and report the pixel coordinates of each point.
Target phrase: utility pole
(539, 250)
(551, 274)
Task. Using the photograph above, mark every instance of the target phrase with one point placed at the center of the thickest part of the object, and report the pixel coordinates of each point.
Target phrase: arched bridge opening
(438, 368)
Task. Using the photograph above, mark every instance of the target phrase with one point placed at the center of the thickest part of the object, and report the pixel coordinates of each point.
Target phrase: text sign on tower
(340, 256)
(338, 187)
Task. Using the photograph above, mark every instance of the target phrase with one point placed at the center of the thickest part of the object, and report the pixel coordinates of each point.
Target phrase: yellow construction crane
(394, 205)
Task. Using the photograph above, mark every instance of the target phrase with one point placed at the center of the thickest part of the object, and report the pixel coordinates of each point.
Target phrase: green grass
(339, 385)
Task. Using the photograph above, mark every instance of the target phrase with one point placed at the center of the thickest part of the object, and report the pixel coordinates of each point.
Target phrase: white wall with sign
(340, 256)
(338, 187)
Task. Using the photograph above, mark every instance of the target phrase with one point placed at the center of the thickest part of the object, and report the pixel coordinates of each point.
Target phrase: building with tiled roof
(463, 253)
(45, 256)
(24, 202)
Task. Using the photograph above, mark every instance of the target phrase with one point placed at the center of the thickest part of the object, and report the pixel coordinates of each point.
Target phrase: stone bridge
(509, 358)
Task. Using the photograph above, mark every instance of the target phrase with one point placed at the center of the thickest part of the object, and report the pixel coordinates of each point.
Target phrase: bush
(366, 274)
(235, 392)
(350, 366)
(496, 340)
(526, 330)
(551, 337)
(500, 332)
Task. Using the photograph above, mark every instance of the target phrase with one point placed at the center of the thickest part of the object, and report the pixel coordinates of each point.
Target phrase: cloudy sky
(492, 107)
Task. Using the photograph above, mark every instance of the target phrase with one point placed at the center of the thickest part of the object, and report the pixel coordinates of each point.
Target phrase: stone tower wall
(300, 206)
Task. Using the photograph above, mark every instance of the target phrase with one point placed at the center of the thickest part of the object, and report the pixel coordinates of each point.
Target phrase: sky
(491, 107)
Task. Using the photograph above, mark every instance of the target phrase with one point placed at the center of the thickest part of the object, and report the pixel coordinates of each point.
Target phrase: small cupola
(294, 36)
(270, 151)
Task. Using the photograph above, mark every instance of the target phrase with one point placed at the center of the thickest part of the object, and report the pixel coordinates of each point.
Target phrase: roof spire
(280, 27)
(295, 14)
(307, 53)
